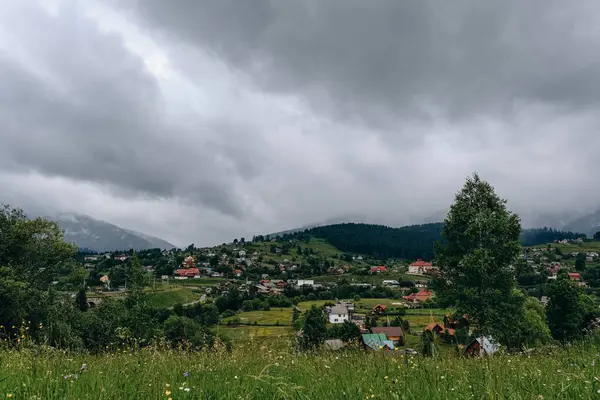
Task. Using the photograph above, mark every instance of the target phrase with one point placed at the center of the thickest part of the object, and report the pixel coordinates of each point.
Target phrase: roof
(421, 263)
(334, 344)
(488, 345)
(380, 306)
(389, 331)
(339, 310)
(432, 325)
(574, 274)
(376, 341)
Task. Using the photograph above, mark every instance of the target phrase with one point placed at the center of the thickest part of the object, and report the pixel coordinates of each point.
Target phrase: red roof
(422, 295)
(380, 306)
(421, 263)
(380, 268)
(187, 272)
(238, 271)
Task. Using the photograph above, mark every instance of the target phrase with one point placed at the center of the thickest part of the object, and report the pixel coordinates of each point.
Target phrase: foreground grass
(261, 373)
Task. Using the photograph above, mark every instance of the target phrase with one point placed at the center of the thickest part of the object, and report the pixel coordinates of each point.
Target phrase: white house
(339, 314)
(390, 283)
(305, 282)
(420, 267)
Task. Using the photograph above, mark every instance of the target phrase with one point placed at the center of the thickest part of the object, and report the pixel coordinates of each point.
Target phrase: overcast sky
(205, 120)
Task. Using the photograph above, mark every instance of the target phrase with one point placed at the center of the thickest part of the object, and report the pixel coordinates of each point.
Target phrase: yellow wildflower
(167, 392)
(9, 395)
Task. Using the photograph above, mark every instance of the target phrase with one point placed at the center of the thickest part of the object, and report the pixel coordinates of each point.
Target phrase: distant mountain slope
(96, 235)
(408, 242)
(588, 224)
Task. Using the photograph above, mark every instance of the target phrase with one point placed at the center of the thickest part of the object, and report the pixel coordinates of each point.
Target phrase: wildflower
(267, 372)
(187, 389)
(167, 392)
(9, 395)
(186, 374)
(235, 377)
(167, 385)
(83, 367)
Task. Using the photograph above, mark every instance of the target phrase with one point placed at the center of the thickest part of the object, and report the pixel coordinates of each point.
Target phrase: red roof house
(422, 295)
(574, 276)
(378, 269)
(420, 267)
(379, 309)
(188, 272)
(237, 272)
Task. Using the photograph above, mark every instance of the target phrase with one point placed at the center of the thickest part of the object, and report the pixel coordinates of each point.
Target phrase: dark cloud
(208, 120)
(388, 59)
(84, 107)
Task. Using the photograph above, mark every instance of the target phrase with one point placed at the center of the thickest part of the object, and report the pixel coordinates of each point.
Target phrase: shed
(481, 346)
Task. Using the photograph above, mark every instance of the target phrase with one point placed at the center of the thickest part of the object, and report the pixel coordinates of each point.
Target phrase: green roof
(377, 340)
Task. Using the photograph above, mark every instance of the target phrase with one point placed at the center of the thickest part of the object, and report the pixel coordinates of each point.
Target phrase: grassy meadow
(255, 372)
(172, 296)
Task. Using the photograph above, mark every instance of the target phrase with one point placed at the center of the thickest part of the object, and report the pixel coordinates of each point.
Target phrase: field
(170, 297)
(281, 316)
(253, 372)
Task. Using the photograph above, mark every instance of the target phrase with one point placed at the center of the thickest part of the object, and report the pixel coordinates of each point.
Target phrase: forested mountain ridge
(408, 242)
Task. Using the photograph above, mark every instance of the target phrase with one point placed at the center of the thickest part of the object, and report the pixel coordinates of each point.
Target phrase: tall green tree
(314, 330)
(476, 261)
(81, 300)
(580, 262)
(569, 310)
(32, 253)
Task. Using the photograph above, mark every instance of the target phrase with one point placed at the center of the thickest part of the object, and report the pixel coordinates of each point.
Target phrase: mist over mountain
(96, 235)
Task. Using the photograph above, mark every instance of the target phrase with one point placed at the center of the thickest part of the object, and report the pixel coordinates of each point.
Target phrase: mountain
(346, 219)
(588, 224)
(87, 232)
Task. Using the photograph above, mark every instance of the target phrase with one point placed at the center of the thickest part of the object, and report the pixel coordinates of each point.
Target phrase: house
(376, 342)
(187, 272)
(420, 267)
(339, 314)
(393, 333)
(305, 282)
(574, 276)
(238, 272)
(378, 269)
(434, 327)
(481, 346)
(456, 323)
(390, 283)
(91, 258)
(422, 295)
(378, 309)
(242, 253)
(121, 257)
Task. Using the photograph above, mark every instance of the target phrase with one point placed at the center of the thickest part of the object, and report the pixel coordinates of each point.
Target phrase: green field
(283, 316)
(262, 372)
(170, 297)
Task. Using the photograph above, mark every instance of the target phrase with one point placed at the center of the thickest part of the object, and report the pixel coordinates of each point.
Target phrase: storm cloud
(201, 121)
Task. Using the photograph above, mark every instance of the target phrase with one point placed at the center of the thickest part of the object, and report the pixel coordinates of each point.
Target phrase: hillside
(588, 224)
(92, 234)
(408, 242)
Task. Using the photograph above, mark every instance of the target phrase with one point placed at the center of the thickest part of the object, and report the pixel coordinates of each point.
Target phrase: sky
(200, 121)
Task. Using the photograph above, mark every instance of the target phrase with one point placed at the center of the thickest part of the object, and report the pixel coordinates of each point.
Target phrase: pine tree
(482, 243)
(81, 300)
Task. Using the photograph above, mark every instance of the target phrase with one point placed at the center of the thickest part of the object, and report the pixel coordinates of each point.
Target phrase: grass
(283, 316)
(170, 297)
(250, 372)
